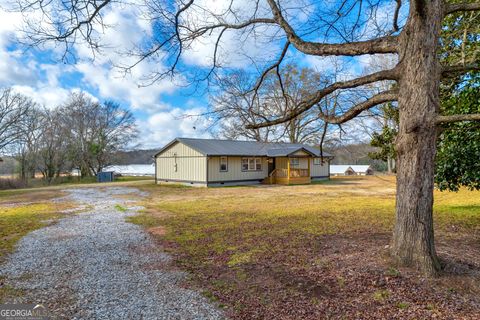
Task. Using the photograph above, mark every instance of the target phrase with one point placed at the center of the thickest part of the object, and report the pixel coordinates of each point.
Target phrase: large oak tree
(331, 28)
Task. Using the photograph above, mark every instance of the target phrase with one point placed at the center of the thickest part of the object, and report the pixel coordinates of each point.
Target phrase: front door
(271, 165)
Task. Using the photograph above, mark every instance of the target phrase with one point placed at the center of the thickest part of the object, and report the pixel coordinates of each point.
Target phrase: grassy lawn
(21, 212)
(317, 251)
(66, 181)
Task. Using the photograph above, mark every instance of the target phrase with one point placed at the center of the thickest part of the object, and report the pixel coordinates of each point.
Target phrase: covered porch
(293, 169)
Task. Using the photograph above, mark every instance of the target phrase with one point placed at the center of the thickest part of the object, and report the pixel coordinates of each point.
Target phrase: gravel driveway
(94, 265)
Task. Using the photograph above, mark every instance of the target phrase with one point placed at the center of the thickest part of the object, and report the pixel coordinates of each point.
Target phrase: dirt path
(94, 265)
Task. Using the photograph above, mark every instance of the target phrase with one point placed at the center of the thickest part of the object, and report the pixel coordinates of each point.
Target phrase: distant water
(133, 169)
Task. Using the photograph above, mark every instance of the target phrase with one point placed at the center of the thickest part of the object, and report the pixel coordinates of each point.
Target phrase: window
(251, 164)
(244, 164)
(223, 164)
(258, 164)
(317, 161)
(294, 162)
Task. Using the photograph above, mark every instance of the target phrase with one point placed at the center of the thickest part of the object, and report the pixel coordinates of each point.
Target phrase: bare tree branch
(386, 44)
(395, 16)
(276, 66)
(377, 99)
(451, 71)
(87, 21)
(320, 94)
(457, 118)
(456, 7)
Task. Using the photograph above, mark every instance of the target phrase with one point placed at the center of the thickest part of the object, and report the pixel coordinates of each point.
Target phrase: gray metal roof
(214, 147)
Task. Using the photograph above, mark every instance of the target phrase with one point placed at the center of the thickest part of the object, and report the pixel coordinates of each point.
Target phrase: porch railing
(294, 173)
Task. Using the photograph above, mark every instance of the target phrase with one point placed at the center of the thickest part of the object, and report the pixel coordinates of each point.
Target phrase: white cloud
(376, 62)
(162, 127)
(21, 70)
(113, 85)
(43, 81)
(48, 96)
(127, 29)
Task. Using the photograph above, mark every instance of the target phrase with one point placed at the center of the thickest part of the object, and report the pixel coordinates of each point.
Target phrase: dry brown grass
(316, 251)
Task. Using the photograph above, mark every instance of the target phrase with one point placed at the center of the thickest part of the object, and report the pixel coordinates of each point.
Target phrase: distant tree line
(80, 134)
(123, 157)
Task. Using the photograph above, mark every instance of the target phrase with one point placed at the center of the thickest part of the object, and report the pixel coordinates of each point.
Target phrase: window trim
(226, 164)
(256, 160)
(319, 161)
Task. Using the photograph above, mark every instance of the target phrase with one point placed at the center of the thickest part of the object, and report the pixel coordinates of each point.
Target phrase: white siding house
(206, 162)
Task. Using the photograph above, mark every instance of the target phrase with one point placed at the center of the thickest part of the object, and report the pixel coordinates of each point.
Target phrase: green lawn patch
(120, 208)
(17, 221)
(21, 213)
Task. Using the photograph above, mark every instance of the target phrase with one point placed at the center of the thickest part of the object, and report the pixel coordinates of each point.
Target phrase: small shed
(105, 176)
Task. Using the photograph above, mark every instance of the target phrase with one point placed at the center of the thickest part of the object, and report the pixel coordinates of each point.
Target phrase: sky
(159, 108)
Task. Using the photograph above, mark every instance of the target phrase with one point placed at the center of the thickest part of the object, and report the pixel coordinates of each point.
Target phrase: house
(350, 170)
(209, 162)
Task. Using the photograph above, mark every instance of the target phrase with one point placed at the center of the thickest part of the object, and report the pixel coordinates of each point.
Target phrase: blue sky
(159, 108)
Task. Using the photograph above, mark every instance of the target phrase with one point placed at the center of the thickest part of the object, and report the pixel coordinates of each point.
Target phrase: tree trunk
(389, 165)
(23, 169)
(413, 239)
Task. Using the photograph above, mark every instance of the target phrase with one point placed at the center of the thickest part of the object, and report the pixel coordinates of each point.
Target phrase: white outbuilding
(350, 170)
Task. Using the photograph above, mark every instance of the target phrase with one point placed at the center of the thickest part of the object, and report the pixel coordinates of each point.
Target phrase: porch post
(288, 170)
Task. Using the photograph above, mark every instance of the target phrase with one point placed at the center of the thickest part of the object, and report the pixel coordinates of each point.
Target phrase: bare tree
(95, 131)
(26, 146)
(232, 110)
(52, 150)
(78, 122)
(235, 107)
(284, 96)
(114, 130)
(347, 28)
(14, 110)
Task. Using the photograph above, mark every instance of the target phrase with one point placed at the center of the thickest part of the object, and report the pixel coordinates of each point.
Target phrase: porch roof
(286, 151)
